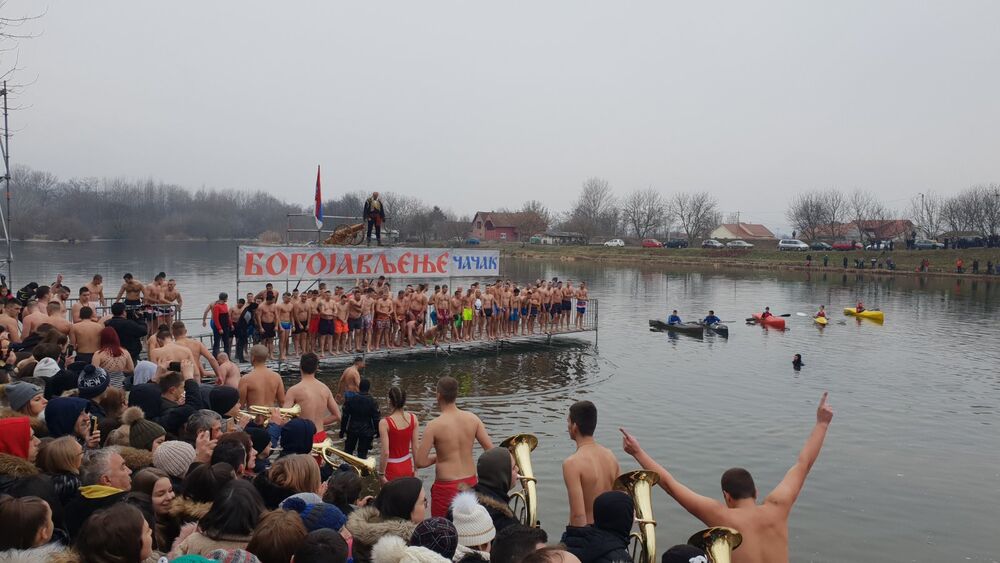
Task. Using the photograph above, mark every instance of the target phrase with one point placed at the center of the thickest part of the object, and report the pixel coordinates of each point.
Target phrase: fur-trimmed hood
(492, 504)
(461, 552)
(368, 527)
(48, 553)
(135, 458)
(393, 549)
(186, 510)
(13, 466)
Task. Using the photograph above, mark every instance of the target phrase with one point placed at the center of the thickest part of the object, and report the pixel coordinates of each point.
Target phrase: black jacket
(360, 416)
(370, 213)
(130, 333)
(20, 478)
(271, 493)
(594, 545)
(88, 500)
(497, 506)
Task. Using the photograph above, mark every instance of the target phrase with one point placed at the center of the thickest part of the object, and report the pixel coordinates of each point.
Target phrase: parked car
(676, 243)
(712, 243)
(927, 244)
(616, 242)
(846, 245)
(738, 244)
(651, 243)
(880, 245)
(819, 245)
(792, 244)
(535, 240)
(472, 241)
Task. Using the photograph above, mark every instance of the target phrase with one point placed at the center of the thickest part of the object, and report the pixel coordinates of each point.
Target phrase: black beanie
(223, 398)
(614, 512)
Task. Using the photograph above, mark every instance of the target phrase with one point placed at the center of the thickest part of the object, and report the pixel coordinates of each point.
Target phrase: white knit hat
(474, 525)
(46, 367)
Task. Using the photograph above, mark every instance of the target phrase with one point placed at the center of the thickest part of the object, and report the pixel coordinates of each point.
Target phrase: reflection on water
(909, 469)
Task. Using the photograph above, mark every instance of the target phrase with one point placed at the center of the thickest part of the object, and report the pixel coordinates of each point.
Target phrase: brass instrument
(718, 542)
(639, 485)
(254, 411)
(364, 467)
(521, 446)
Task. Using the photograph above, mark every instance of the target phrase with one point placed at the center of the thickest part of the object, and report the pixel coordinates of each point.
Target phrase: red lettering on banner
(442, 262)
(363, 267)
(384, 265)
(316, 264)
(346, 265)
(253, 269)
(281, 259)
(296, 259)
(404, 267)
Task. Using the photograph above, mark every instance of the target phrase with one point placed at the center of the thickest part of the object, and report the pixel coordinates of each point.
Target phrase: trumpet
(718, 542)
(639, 486)
(326, 449)
(521, 446)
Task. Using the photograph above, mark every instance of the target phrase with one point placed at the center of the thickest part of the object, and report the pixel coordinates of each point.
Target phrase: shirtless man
(171, 351)
(397, 320)
(31, 321)
(354, 321)
(284, 313)
(228, 372)
(314, 396)
(567, 303)
(300, 324)
(84, 301)
(261, 386)
(172, 302)
(267, 322)
(198, 350)
(85, 335)
(368, 317)
(590, 471)
(154, 301)
(133, 290)
(8, 318)
(267, 293)
(416, 315)
(329, 336)
(383, 317)
(443, 310)
(57, 317)
(451, 435)
(350, 380)
(581, 304)
(96, 289)
(764, 527)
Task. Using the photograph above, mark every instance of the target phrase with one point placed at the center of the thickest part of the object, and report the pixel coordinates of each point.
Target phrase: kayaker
(711, 319)
(673, 319)
(860, 308)
(766, 314)
(821, 313)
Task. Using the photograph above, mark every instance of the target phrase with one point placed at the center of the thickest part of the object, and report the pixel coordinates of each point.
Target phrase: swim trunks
(314, 325)
(267, 330)
(556, 308)
(381, 324)
(325, 327)
(443, 492)
(355, 324)
(443, 317)
(286, 326)
(340, 327)
(366, 321)
(513, 315)
(534, 311)
(299, 329)
(466, 314)
(567, 304)
(488, 313)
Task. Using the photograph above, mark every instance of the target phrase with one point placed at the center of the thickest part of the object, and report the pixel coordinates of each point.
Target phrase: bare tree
(696, 213)
(533, 218)
(595, 211)
(834, 210)
(863, 207)
(643, 211)
(806, 214)
(925, 210)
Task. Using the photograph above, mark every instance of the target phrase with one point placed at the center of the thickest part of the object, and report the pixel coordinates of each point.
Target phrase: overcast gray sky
(476, 105)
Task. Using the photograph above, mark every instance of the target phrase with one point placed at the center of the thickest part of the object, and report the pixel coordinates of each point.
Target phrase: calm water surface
(911, 466)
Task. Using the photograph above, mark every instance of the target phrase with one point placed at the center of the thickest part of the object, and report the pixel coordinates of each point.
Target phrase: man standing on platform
(451, 435)
(375, 215)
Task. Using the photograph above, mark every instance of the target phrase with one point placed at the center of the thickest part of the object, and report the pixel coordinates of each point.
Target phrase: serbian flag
(318, 212)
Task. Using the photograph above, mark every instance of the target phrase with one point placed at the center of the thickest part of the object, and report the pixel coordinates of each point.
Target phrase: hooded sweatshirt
(607, 540)
(90, 499)
(61, 414)
(493, 471)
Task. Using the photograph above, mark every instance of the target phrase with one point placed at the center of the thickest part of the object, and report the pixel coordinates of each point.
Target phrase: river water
(911, 466)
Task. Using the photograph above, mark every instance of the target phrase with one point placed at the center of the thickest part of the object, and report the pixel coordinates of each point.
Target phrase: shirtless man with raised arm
(451, 435)
(228, 373)
(764, 527)
(85, 335)
(313, 395)
(198, 350)
(261, 386)
(590, 471)
(96, 288)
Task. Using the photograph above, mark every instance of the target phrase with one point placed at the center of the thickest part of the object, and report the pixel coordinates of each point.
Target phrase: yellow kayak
(821, 321)
(876, 316)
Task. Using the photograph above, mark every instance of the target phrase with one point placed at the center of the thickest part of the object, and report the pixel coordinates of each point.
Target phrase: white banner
(330, 262)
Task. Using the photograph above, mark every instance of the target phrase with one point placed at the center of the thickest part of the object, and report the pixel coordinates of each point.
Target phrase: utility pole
(5, 213)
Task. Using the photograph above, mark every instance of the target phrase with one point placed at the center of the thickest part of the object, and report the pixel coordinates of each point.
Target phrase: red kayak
(770, 322)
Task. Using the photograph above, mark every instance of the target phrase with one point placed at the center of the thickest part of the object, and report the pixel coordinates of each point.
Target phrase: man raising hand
(765, 526)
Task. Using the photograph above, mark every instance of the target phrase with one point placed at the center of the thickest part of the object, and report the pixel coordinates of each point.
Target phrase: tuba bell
(367, 469)
(718, 542)
(526, 500)
(639, 486)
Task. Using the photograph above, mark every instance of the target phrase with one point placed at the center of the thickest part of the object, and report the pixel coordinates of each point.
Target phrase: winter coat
(200, 544)
(498, 507)
(393, 549)
(48, 553)
(135, 458)
(360, 416)
(90, 499)
(37, 424)
(20, 478)
(461, 552)
(368, 527)
(66, 486)
(594, 545)
(272, 494)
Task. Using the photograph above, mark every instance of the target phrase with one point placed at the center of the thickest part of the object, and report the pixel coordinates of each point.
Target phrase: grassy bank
(942, 262)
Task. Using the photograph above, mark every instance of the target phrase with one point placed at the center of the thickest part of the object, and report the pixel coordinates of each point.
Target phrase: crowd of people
(108, 457)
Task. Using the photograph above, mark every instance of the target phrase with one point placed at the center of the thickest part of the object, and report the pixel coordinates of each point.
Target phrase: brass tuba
(287, 414)
(718, 542)
(326, 449)
(639, 485)
(525, 501)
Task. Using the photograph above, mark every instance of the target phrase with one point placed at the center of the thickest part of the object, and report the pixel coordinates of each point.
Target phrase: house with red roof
(744, 231)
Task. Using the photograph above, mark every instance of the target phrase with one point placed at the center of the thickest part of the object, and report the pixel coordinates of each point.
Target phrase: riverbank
(942, 262)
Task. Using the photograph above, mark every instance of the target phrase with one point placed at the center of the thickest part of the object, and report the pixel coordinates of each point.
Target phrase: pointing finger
(822, 401)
